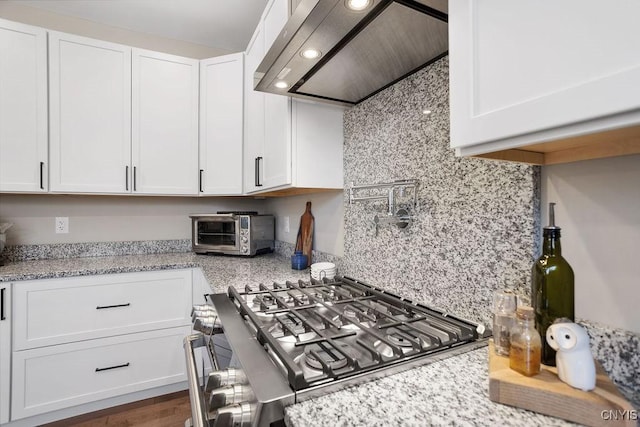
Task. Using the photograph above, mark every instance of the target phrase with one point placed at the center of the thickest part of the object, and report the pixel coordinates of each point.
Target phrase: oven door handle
(196, 397)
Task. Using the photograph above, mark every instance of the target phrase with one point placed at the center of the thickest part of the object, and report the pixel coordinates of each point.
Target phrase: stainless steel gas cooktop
(293, 341)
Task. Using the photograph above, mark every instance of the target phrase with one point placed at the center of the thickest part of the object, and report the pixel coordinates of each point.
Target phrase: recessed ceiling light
(357, 4)
(311, 54)
(282, 84)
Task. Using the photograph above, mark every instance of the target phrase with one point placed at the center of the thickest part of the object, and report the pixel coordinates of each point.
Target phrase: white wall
(108, 218)
(82, 27)
(598, 209)
(328, 212)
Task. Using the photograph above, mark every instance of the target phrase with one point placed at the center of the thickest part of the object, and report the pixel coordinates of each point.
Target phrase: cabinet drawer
(52, 378)
(59, 311)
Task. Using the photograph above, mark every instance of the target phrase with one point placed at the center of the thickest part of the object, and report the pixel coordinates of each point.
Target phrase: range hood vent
(362, 52)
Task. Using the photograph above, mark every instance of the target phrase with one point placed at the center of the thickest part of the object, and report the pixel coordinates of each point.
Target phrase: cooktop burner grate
(332, 329)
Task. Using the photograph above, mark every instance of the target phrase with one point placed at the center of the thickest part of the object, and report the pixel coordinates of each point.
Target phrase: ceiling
(226, 24)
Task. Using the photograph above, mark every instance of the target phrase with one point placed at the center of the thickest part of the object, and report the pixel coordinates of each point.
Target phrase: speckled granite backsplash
(477, 225)
(93, 249)
(475, 228)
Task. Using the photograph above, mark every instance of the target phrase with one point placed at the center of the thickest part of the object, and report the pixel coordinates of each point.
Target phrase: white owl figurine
(573, 356)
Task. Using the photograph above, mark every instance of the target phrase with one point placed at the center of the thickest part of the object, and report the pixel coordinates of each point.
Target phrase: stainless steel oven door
(220, 233)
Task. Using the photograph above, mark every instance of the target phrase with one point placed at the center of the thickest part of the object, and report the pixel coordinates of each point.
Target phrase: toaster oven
(233, 233)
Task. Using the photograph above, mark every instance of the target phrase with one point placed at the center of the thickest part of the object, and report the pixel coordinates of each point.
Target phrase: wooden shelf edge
(515, 155)
(295, 192)
(612, 143)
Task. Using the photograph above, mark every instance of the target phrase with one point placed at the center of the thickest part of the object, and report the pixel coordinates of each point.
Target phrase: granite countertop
(220, 271)
(452, 391)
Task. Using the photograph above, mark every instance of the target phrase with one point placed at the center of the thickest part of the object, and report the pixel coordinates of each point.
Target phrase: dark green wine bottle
(552, 287)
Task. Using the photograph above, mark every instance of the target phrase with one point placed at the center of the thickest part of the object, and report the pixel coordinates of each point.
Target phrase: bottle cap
(552, 218)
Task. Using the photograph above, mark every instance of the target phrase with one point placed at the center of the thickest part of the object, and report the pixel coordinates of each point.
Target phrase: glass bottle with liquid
(504, 315)
(525, 352)
(552, 286)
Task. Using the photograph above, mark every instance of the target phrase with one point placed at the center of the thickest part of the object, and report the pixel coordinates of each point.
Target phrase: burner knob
(202, 307)
(208, 325)
(229, 395)
(235, 416)
(202, 313)
(225, 377)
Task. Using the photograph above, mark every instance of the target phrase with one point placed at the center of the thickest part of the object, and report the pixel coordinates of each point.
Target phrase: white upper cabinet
(90, 115)
(221, 109)
(523, 73)
(164, 123)
(253, 114)
(23, 108)
(275, 165)
(286, 140)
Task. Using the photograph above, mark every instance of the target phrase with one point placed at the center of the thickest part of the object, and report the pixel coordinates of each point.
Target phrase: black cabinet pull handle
(102, 307)
(124, 365)
(134, 179)
(200, 181)
(258, 184)
(126, 178)
(255, 172)
(42, 175)
(2, 316)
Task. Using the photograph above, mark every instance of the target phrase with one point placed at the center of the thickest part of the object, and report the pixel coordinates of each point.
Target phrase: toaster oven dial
(229, 395)
(245, 249)
(235, 416)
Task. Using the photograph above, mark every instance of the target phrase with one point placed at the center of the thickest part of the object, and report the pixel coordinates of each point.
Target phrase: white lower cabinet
(58, 311)
(5, 350)
(51, 378)
(84, 341)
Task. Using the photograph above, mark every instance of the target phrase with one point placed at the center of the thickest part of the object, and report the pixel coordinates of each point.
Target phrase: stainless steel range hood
(362, 52)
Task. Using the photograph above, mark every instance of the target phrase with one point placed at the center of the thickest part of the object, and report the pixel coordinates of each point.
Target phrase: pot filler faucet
(400, 217)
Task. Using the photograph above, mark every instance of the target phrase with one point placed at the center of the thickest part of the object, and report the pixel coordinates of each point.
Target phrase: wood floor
(170, 410)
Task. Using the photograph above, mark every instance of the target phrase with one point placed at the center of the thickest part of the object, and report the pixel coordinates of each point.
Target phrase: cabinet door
(101, 306)
(518, 69)
(5, 350)
(221, 91)
(277, 109)
(276, 168)
(57, 377)
(23, 108)
(254, 115)
(165, 123)
(318, 140)
(90, 115)
(274, 19)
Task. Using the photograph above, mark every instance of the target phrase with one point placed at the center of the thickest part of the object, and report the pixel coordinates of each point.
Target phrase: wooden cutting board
(546, 394)
(304, 242)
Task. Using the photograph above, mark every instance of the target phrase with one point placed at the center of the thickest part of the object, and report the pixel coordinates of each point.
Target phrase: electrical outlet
(62, 225)
(286, 224)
